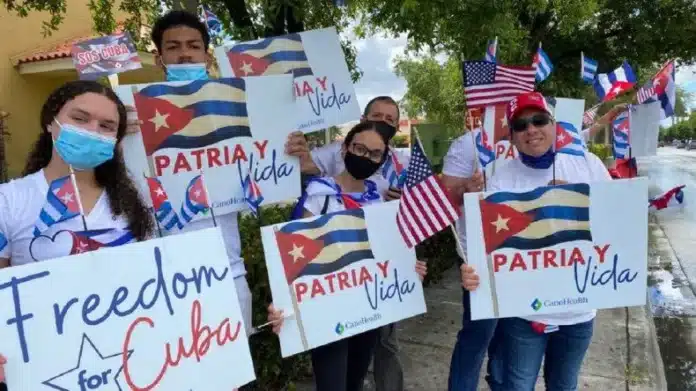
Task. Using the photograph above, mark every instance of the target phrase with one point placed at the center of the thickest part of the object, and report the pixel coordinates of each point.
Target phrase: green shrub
(603, 151)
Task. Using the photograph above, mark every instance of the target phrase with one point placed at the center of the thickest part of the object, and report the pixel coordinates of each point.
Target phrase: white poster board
(115, 318)
(322, 83)
(644, 129)
(558, 249)
(225, 128)
(340, 275)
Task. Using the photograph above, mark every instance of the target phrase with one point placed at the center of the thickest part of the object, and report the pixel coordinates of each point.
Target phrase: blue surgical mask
(186, 72)
(82, 149)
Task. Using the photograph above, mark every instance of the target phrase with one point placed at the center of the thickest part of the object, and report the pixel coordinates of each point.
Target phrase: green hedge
(273, 372)
(603, 151)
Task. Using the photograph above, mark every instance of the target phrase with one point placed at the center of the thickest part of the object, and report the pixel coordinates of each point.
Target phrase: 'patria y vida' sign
(323, 87)
(161, 314)
(340, 274)
(555, 249)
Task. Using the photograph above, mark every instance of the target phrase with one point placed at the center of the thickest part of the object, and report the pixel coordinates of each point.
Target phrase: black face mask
(360, 167)
(385, 130)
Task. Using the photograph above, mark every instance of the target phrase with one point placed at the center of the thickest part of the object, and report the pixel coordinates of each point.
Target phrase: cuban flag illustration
(196, 199)
(192, 115)
(270, 56)
(66, 242)
(323, 245)
(252, 194)
(568, 140)
(61, 205)
(164, 212)
(536, 219)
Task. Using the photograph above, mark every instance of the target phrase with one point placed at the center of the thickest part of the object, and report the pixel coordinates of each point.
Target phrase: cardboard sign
(322, 84)
(161, 313)
(558, 249)
(645, 129)
(226, 128)
(105, 56)
(340, 275)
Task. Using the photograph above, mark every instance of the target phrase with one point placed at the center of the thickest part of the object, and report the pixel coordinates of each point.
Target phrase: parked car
(681, 145)
(691, 145)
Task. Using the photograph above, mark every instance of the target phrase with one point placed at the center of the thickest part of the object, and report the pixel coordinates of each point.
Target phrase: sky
(376, 55)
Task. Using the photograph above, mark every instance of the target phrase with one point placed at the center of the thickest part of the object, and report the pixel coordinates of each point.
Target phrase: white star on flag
(501, 224)
(159, 120)
(297, 252)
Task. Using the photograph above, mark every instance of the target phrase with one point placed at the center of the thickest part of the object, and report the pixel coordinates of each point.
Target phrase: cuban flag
(492, 50)
(195, 200)
(542, 64)
(85, 241)
(61, 204)
(212, 22)
(568, 140)
(484, 149)
(392, 170)
(661, 88)
(164, 213)
(252, 194)
(536, 219)
(620, 130)
(673, 197)
(270, 56)
(609, 85)
(588, 69)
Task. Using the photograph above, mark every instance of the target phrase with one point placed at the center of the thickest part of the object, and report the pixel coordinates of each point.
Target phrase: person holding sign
(563, 338)
(342, 365)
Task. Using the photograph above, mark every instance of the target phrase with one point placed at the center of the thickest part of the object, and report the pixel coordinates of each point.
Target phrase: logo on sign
(536, 305)
(339, 328)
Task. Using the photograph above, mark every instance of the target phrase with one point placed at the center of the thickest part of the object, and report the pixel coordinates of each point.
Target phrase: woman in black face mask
(342, 365)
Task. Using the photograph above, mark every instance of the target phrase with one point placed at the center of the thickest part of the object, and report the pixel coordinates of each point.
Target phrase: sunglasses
(538, 120)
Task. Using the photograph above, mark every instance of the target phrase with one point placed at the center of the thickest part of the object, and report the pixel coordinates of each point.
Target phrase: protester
(342, 365)
(526, 340)
(82, 125)
(475, 337)
(327, 161)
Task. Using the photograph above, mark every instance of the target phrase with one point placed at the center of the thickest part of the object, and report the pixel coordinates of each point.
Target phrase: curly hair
(112, 176)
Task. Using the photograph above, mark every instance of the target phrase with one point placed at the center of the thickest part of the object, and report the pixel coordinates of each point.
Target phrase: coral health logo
(339, 328)
(536, 305)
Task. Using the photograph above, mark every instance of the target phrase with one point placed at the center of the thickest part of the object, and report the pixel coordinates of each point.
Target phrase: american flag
(646, 92)
(424, 208)
(589, 116)
(486, 83)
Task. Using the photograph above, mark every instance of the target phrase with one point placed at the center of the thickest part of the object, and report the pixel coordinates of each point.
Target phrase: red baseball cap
(529, 100)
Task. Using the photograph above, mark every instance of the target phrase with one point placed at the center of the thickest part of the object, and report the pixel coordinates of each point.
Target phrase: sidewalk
(623, 355)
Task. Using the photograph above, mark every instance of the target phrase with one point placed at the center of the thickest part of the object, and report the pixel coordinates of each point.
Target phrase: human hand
(555, 182)
(132, 123)
(474, 184)
(296, 145)
(276, 318)
(3, 361)
(470, 280)
(393, 193)
(421, 269)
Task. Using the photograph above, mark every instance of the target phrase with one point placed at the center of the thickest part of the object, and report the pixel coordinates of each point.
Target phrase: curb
(654, 351)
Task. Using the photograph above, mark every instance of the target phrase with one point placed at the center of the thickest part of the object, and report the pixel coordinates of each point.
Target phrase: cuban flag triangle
(674, 197)
(542, 64)
(196, 199)
(609, 85)
(164, 213)
(568, 140)
(61, 205)
(252, 194)
(588, 69)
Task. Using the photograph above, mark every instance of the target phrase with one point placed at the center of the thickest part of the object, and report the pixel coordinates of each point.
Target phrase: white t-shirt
(459, 163)
(330, 163)
(570, 168)
(315, 203)
(21, 202)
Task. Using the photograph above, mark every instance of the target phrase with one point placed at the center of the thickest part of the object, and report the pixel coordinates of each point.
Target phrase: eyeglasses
(538, 120)
(372, 154)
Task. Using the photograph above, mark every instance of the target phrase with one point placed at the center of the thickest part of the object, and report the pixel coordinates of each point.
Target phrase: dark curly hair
(178, 18)
(111, 175)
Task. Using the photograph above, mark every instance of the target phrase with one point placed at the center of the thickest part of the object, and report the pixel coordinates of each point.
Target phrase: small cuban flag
(588, 69)
(609, 85)
(392, 170)
(673, 197)
(543, 65)
(196, 199)
(483, 148)
(61, 204)
(621, 127)
(568, 139)
(252, 194)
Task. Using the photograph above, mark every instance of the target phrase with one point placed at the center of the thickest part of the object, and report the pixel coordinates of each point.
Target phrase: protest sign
(340, 274)
(105, 56)
(161, 313)
(559, 248)
(495, 124)
(322, 83)
(644, 129)
(226, 128)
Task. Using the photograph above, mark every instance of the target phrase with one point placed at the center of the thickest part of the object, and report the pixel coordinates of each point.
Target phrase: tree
(644, 32)
(243, 19)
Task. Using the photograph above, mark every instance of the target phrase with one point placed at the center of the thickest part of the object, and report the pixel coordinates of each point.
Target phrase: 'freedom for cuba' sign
(340, 274)
(161, 314)
(556, 249)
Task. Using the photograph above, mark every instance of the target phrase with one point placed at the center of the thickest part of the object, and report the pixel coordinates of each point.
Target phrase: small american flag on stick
(486, 83)
(424, 208)
(589, 116)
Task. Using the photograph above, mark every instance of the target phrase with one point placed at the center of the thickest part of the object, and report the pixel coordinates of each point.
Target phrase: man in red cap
(565, 337)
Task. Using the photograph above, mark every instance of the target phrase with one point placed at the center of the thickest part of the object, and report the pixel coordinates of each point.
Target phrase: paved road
(673, 295)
